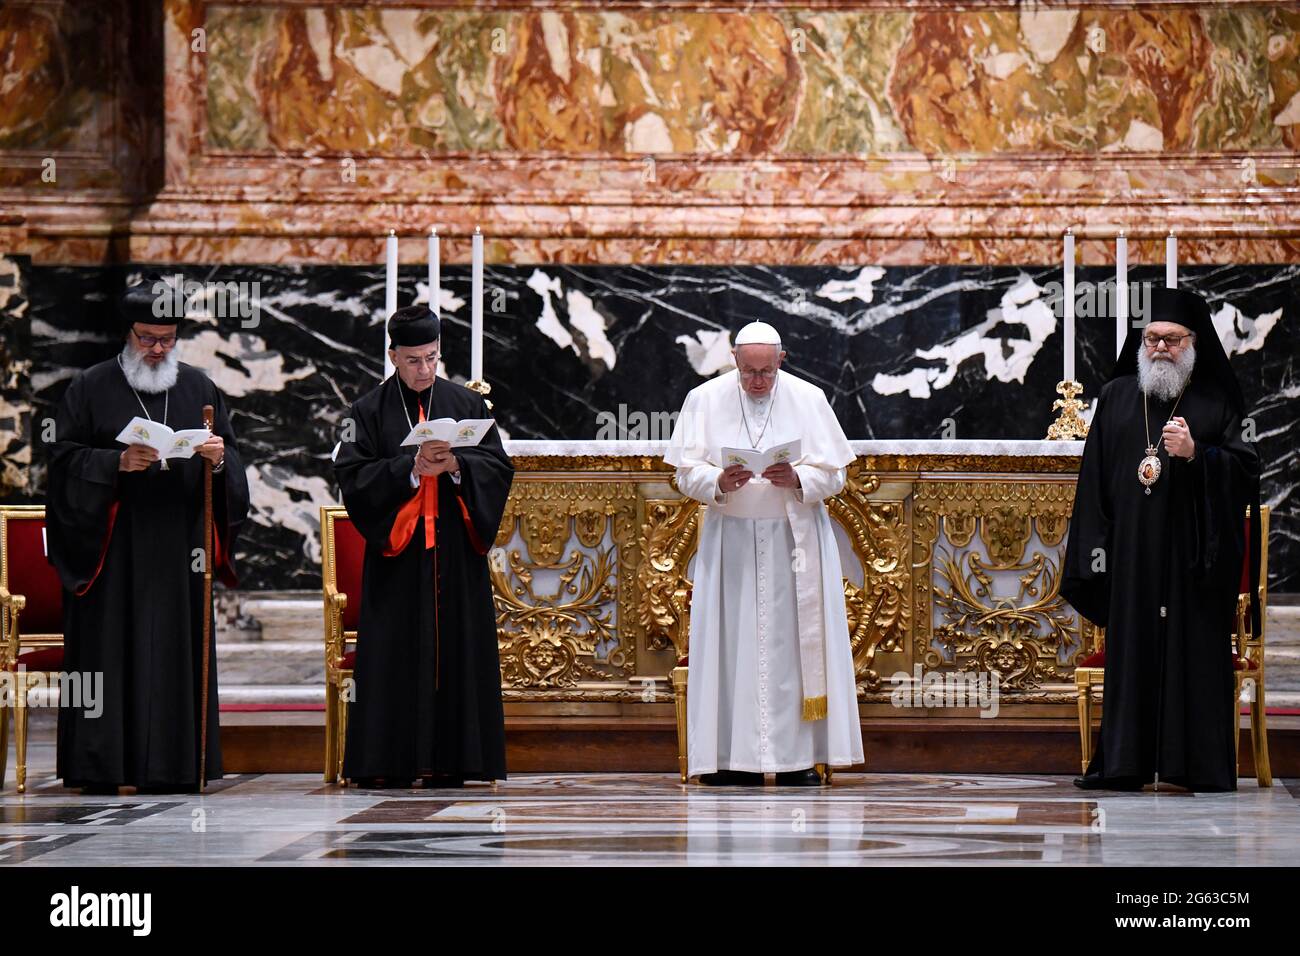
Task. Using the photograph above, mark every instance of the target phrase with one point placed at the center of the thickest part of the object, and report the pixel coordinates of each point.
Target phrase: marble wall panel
(575, 352)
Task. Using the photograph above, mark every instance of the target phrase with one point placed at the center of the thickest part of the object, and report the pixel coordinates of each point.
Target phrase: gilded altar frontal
(955, 568)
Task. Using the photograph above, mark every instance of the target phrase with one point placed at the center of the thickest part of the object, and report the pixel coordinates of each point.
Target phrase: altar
(951, 551)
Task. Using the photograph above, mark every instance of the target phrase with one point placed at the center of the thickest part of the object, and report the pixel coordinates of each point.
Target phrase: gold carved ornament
(565, 636)
(1019, 637)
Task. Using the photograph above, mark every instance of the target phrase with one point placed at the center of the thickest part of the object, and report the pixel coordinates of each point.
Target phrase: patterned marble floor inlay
(652, 820)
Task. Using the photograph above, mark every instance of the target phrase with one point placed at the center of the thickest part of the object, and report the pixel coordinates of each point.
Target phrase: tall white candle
(476, 308)
(1171, 261)
(1121, 293)
(390, 292)
(435, 271)
(1069, 306)
(390, 274)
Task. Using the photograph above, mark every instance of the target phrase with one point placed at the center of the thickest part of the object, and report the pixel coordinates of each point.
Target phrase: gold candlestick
(483, 388)
(1069, 424)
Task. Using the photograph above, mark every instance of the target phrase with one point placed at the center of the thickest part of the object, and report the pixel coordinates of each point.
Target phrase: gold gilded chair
(31, 622)
(1247, 664)
(342, 554)
(679, 675)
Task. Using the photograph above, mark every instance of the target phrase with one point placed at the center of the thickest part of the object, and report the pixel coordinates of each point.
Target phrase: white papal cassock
(769, 640)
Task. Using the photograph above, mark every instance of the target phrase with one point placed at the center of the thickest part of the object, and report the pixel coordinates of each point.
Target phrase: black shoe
(442, 781)
(1096, 782)
(732, 778)
(798, 778)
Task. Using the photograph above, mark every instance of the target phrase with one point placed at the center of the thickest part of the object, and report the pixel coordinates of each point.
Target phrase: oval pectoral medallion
(1149, 470)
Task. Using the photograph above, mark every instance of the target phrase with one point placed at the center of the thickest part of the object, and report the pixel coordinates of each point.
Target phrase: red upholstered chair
(342, 551)
(31, 621)
(1247, 663)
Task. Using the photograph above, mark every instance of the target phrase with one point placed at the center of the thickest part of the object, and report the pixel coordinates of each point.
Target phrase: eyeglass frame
(168, 342)
(1176, 344)
(418, 361)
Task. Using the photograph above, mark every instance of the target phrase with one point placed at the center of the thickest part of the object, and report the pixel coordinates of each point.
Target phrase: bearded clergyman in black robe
(428, 674)
(125, 533)
(1156, 548)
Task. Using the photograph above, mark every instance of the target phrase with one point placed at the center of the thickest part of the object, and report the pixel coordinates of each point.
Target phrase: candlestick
(1171, 261)
(1069, 424)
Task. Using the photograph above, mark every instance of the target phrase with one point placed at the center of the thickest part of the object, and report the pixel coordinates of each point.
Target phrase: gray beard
(144, 378)
(1162, 378)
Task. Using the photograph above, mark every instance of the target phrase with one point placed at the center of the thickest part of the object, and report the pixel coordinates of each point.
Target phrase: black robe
(1168, 705)
(124, 547)
(428, 672)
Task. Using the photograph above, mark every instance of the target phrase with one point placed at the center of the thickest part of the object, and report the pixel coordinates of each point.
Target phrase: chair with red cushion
(31, 595)
(1247, 665)
(342, 553)
(1248, 662)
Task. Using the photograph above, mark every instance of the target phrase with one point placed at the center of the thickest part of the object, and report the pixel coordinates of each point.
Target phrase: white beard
(1165, 378)
(145, 378)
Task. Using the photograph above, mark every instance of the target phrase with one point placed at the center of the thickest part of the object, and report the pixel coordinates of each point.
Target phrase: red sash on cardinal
(423, 504)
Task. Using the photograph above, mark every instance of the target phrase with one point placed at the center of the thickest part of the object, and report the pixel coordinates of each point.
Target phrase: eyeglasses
(417, 361)
(1171, 341)
(149, 341)
(757, 373)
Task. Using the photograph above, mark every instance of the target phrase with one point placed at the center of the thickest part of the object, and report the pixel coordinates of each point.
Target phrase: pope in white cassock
(771, 686)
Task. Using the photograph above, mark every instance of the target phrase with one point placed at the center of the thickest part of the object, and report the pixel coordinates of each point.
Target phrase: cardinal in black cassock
(123, 532)
(428, 675)
(1156, 548)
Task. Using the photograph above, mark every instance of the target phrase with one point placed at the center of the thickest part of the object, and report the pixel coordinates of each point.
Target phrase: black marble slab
(903, 352)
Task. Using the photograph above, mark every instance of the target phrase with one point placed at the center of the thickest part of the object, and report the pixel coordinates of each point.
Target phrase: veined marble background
(781, 78)
(784, 80)
(902, 352)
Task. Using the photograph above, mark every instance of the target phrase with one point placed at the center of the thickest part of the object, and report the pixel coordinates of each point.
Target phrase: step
(1282, 626)
(1282, 700)
(271, 694)
(285, 617)
(271, 662)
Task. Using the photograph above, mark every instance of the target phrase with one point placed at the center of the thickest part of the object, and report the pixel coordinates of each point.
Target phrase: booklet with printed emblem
(458, 434)
(167, 443)
(759, 461)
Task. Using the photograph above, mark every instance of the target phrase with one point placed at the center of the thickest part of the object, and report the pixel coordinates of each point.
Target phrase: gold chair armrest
(335, 602)
(10, 640)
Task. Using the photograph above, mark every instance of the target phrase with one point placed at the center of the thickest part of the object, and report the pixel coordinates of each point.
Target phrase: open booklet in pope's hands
(758, 462)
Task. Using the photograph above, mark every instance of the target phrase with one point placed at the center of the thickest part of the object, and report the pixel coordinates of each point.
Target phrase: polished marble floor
(648, 820)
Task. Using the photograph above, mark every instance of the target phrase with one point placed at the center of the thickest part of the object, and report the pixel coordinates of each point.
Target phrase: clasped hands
(1178, 438)
(434, 458)
(735, 476)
